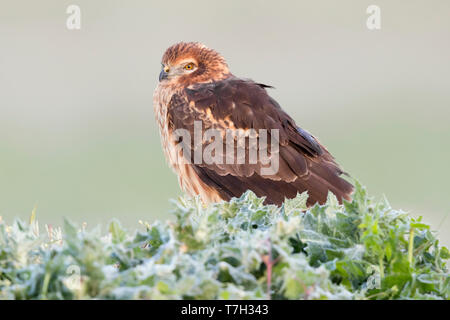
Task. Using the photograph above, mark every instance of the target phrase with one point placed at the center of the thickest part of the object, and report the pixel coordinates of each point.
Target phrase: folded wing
(243, 110)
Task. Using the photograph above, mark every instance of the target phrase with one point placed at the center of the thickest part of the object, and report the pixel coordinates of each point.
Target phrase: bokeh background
(77, 133)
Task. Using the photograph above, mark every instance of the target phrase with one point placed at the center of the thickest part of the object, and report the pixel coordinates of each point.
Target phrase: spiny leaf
(361, 249)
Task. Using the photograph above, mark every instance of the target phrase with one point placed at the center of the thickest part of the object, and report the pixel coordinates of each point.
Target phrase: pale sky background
(77, 133)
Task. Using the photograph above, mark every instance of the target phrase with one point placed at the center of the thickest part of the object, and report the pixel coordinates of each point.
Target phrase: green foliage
(240, 249)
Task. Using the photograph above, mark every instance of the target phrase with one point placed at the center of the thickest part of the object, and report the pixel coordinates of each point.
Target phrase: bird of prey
(196, 90)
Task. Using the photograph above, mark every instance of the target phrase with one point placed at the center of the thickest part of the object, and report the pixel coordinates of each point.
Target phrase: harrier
(197, 91)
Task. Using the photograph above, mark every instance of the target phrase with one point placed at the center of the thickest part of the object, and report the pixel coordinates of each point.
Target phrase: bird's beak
(163, 75)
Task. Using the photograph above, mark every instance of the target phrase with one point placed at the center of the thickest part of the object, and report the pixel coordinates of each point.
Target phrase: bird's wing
(239, 106)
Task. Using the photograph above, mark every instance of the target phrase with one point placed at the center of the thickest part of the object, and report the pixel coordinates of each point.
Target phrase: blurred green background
(77, 133)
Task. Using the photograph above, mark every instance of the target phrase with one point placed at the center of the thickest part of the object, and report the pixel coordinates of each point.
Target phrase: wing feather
(304, 164)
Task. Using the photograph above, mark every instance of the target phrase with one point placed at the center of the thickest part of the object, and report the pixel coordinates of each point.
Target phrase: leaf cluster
(241, 249)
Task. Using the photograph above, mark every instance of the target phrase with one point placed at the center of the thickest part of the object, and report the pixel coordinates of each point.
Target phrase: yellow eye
(189, 66)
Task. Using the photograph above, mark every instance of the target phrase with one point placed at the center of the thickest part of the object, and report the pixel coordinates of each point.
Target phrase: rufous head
(187, 63)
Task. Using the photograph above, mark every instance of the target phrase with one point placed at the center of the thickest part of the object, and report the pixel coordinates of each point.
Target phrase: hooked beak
(164, 74)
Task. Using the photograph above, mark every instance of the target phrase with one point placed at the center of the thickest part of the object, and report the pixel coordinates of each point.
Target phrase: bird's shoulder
(241, 102)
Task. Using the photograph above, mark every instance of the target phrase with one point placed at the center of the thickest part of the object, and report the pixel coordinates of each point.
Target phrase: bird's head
(186, 63)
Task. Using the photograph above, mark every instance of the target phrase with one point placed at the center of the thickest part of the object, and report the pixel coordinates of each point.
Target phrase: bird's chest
(187, 177)
(161, 103)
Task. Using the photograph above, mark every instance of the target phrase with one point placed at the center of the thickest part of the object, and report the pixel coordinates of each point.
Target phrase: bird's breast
(161, 99)
(187, 177)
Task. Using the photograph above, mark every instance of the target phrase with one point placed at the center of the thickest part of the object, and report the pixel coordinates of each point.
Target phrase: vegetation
(240, 249)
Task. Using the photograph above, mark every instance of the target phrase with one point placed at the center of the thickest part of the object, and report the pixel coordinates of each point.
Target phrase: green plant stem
(380, 262)
(45, 285)
(411, 245)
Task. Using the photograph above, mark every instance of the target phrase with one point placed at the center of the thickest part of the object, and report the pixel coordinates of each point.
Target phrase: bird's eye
(189, 66)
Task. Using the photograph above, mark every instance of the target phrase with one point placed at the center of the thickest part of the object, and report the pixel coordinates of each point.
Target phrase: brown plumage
(196, 85)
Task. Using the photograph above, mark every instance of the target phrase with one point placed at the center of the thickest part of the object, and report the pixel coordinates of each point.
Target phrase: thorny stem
(382, 294)
(45, 285)
(268, 262)
(380, 262)
(411, 246)
(267, 259)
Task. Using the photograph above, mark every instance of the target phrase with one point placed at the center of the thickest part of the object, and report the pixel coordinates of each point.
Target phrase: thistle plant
(242, 249)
